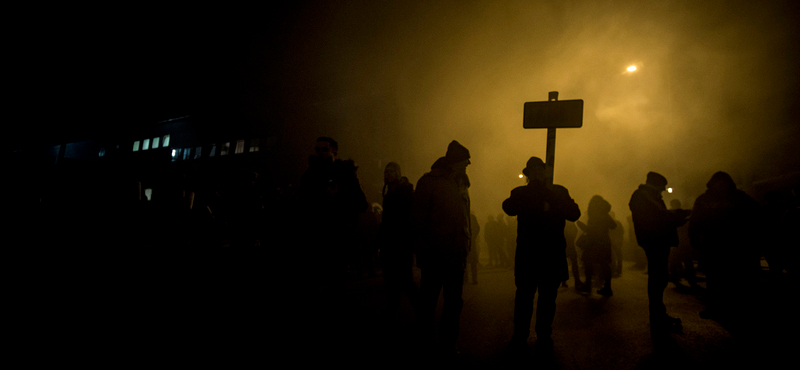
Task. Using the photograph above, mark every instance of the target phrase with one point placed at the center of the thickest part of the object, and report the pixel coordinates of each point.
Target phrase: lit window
(197, 152)
(225, 148)
(254, 145)
(136, 146)
(186, 153)
(148, 193)
(239, 146)
(166, 141)
(176, 153)
(102, 152)
(213, 150)
(146, 144)
(155, 142)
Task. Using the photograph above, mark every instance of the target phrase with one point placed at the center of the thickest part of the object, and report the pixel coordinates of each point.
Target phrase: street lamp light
(631, 68)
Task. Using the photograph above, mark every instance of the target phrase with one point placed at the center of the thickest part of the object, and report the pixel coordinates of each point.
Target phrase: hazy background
(716, 89)
(716, 86)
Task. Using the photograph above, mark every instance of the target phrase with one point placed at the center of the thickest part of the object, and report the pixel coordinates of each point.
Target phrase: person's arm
(512, 206)
(565, 204)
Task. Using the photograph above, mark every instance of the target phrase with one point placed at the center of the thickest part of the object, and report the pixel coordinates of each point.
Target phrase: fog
(716, 88)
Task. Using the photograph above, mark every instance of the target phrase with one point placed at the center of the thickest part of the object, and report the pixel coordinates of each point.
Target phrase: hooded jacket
(440, 213)
(723, 217)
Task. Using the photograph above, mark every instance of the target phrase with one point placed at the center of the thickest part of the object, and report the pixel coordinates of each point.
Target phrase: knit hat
(456, 152)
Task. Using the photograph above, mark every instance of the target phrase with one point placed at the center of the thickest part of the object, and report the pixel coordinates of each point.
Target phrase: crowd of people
(434, 226)
(337, 233)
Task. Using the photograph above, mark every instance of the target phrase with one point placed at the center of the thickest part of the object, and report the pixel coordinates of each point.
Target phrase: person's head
(657, 181)
(391, 173)
(457, 156)
(326, 148)
(534, 169)
(598, 205)
(721, 181)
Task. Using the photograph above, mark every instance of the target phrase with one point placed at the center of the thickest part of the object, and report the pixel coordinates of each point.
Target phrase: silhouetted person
(597, 252)
(397, 256)
(491, 234)
(570, 233)
(502, 238)
(681, 264)
(656, 232)
(722, 228)
(332, 200)
(540, 259)
(473, 258)
(440, 219)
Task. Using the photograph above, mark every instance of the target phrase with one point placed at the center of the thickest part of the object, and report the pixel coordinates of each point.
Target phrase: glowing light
(631, 68)
(669, 190)
(520, 175)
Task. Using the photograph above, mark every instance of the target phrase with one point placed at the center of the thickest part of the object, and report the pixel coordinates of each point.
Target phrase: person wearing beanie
(540, 260)
(440, 220)
(656, 230)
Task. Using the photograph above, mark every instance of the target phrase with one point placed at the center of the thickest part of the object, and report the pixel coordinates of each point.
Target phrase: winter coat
(723, 220)
(396, 218)
(598, 241)
(653, 224)
(440, 217)
(541, 217)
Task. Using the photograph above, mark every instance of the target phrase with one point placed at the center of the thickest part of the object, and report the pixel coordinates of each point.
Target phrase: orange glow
(631, 68)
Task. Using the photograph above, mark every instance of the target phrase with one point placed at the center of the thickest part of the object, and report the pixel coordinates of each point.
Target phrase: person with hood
(540, 257)
(597, 251)
(722, 228)
(656, 230)
(440, 220)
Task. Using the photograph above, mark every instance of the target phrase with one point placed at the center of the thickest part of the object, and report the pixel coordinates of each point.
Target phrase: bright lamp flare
(631, 68)
(520, 175)
(669, 190)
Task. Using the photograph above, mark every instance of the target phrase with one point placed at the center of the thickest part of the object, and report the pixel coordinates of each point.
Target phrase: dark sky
(716, 86)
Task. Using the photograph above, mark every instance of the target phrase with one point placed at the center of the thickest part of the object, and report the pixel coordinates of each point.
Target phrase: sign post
(552, 114)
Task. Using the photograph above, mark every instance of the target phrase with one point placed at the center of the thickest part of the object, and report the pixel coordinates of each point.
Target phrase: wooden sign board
(553, 114)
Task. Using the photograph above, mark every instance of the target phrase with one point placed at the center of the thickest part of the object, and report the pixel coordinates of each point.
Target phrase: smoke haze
(715, 89)
(716, 86)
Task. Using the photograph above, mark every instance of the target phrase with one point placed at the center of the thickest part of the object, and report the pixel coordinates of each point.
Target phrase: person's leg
(658, 277)
(523, 307)
(429, 289)
(453, 285)
(546, 310)
(588, 271)
(605, 271)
